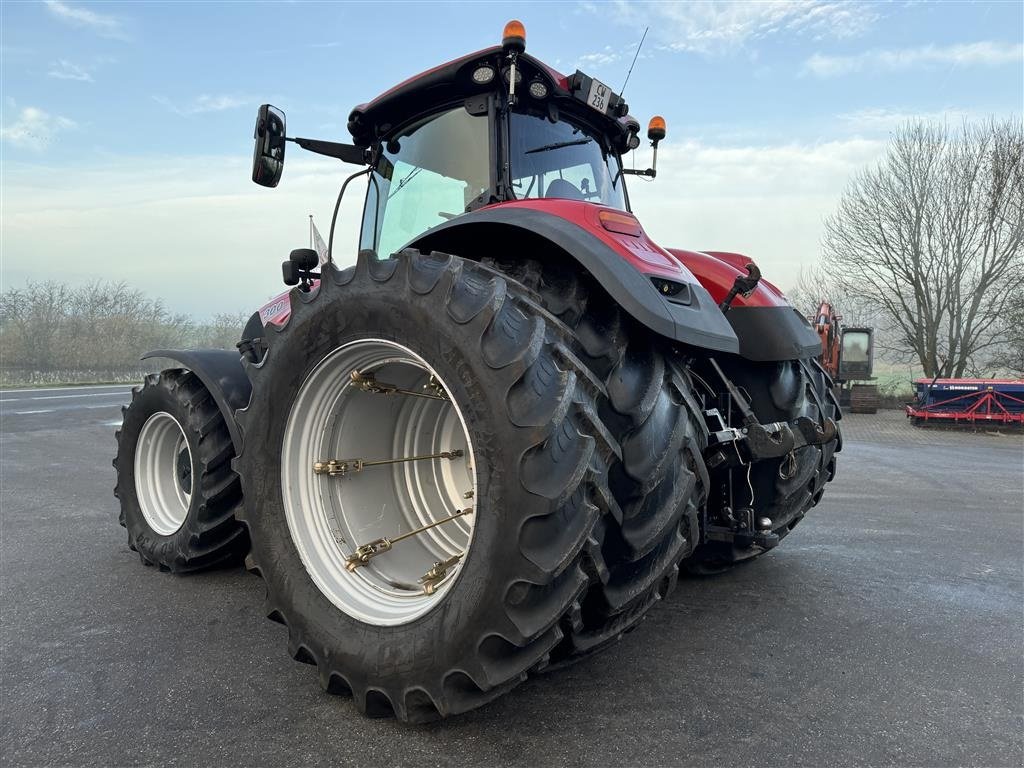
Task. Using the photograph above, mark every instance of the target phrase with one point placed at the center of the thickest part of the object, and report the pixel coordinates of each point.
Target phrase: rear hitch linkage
(739, 446)
(730, 447)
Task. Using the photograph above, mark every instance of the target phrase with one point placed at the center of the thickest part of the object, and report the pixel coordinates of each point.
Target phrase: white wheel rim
(162, 484)
(329, 517)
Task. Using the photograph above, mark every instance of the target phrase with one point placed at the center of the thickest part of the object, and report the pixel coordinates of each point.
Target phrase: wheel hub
(163, 473)
(185, 470)
(378, 476)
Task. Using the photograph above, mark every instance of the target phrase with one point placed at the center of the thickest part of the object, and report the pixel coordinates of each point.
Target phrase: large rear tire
(539, 457)
(178, 492)
(544, 515)
(659, 480)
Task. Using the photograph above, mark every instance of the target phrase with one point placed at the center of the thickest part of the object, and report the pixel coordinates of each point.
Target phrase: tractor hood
(767, 325)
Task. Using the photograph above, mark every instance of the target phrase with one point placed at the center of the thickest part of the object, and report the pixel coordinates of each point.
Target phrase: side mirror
(268, 152)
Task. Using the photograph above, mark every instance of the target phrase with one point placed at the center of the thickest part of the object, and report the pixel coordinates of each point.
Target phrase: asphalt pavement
(888, 629)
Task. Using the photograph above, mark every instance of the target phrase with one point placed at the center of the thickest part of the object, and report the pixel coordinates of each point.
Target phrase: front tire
(178, 492)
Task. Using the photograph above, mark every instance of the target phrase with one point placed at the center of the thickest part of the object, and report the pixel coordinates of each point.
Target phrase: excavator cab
(857, 354)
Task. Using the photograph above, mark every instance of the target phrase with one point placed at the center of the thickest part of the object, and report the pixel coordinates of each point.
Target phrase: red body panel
(715, 270)
(278, 309)
(641, 252)
(718, 270)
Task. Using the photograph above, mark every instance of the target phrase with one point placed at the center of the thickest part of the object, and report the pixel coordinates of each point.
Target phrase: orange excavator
(848, 356)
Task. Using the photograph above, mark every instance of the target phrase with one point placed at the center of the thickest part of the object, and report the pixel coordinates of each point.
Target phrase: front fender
(222, 374)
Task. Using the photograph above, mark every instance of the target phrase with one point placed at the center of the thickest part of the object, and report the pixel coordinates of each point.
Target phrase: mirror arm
(650, 172)
(347, 153)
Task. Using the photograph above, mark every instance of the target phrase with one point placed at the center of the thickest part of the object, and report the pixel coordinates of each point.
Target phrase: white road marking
(112, 423)
(26, 413)
(64, 389)
(94, 407)
(64, 397)
(73, 397)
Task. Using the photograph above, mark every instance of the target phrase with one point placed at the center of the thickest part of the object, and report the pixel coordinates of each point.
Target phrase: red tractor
(488, 447)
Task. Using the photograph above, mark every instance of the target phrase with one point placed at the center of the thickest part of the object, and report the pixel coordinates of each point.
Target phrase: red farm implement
(968, 402)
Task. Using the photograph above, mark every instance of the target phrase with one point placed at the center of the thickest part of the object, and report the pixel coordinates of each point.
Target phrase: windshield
(426, 177)
(560, 160)
(856, 345)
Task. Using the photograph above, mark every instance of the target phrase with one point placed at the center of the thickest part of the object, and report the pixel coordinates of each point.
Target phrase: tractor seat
(564, 189)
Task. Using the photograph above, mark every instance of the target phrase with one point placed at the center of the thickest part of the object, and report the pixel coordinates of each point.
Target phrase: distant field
(896, 380)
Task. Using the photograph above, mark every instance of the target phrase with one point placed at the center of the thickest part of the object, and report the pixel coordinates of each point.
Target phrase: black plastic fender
(222, 374)
(768, 334)
(697, 321)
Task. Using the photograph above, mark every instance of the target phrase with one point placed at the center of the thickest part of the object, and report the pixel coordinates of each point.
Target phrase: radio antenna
(641, 45)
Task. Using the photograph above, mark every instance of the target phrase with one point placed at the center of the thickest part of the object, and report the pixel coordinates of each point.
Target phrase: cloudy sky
(126, 127)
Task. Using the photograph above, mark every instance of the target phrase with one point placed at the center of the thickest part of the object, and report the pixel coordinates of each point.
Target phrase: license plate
(599, 95)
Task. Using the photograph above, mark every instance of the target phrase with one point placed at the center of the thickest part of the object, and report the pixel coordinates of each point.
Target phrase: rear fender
(624, 265)
(222, 374)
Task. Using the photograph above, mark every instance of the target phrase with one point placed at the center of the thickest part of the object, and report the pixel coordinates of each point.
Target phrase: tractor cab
(495, 155)
(465, 136)
(441, 167)
(494, 126)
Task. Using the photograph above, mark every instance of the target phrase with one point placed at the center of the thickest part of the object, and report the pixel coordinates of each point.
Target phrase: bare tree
(112, 324)
(933, 237)
(34, 325)
(222, 332)
(98, 329)
(815, 285)
(1008, 358)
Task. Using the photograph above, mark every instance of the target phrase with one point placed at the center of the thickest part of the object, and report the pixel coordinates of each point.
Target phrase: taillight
(622, 223)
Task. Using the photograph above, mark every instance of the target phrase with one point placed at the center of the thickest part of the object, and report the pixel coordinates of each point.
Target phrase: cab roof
(450, 84)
